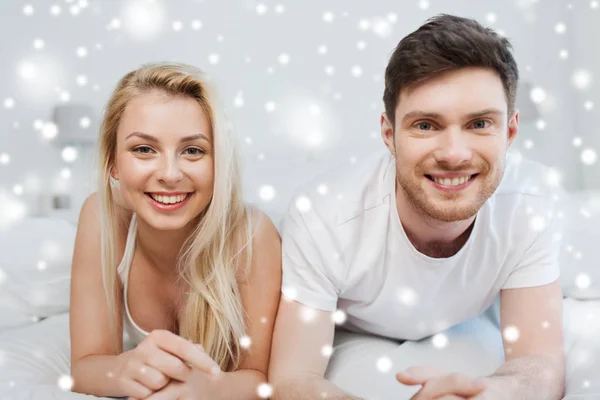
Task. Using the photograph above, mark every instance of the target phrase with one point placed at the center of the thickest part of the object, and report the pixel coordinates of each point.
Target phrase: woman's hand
(198, 386)
(162, 357)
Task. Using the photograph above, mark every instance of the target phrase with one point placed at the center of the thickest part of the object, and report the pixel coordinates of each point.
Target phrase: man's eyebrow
(434, 115)
(151, 138)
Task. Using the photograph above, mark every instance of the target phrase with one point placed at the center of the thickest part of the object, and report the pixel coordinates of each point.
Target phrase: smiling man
(428, 235)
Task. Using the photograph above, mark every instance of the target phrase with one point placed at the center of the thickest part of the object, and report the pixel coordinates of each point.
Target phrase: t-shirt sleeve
(307, 244)
(539, 264)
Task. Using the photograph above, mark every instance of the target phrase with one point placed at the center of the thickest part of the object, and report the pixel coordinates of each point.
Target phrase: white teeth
(168, 199)
(452, 182)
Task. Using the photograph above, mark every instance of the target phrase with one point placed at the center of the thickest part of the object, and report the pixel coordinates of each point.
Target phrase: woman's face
(164, 159)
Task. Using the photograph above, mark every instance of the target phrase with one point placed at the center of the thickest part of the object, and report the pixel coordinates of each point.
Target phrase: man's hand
(437, 384)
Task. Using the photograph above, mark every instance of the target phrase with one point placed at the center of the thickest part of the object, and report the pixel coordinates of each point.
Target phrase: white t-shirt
(345, 248)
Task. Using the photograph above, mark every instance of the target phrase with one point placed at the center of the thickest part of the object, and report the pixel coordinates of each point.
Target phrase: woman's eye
(194, 151)
(143, 149)
(481, 124)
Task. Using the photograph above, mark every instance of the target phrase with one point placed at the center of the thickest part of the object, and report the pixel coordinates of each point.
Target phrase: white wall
(350, 106)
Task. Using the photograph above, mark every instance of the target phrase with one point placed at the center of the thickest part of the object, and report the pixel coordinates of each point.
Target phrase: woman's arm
(92, 354)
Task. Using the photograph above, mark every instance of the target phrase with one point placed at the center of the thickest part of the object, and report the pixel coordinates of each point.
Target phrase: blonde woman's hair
(211, 257)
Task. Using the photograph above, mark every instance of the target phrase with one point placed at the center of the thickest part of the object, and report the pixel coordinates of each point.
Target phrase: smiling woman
(171, 254)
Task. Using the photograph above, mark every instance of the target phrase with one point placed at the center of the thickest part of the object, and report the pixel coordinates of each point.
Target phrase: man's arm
(531, 320)
(297, 362)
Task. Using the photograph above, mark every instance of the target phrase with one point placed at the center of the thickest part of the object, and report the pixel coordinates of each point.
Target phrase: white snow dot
(407, 296)
(356, 71)
(177, 26)
(27, 70)
(322, 189)
(528, 144)
(38, 124)
(314, 110)
(81, 80)
(41, 265)
(50, 130)
(85, 122)
(589, 156)
(538, 223)
(28, 9)
(364, 24)
(270, 106)
(308, 314)
(264, 390)
(581, 79)
(582, 281)
(540, 124)
(65, 173)
(322, 49)
(18, 189)
(424, 4)
(245, 342)
(511, 334)
(65, 96)
(55, 9)
(69, 154)
(267, 192)
(284, 58)
(74, 9)
(545, 324)
(381, 28)
(81, 52)
(289, 293)
(594, 4)
(327, 351)
(560, 28)
(586, 384)
(9, 102)
(384, 364)
(588, 105)
(328, 16)
(303, 204)
(439, 341)
(553, 178)
(537, 95)
(38, 44)
(238, 100)
(564, 54)
(261, 8)
(279, 8)
(329, 70)
(213, 58)
(361, 45)
(577, 141)
(491, 18)
(392, 17)
(65, 383)
(339, 317)
(196, 25)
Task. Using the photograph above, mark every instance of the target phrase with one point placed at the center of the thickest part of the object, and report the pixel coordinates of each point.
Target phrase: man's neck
(433, 238)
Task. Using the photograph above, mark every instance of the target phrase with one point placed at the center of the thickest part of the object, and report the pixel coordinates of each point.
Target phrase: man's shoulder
(346, 191)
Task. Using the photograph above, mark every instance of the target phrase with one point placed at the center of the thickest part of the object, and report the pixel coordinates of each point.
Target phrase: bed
(34, 321)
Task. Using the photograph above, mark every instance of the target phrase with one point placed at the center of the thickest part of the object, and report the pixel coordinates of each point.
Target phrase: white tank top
(134, 334)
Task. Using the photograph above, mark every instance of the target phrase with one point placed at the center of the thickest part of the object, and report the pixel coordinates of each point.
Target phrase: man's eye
(481, 124)
(424, 126)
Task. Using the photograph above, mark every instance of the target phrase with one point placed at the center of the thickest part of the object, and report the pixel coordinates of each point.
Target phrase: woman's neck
(162, 248)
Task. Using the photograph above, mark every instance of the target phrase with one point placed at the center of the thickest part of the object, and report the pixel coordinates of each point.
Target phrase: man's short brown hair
(443, 43)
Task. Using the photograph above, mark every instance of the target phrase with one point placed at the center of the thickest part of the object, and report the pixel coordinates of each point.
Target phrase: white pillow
(580, 268)
(35, 269)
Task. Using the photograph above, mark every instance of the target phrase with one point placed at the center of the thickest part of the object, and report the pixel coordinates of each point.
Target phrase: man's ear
(513, 127)
(387, 133)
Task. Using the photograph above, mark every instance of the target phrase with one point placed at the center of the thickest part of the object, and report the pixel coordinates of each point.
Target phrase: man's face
(450, 140)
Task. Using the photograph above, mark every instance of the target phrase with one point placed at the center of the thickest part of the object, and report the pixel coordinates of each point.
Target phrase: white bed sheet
(34, 357)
